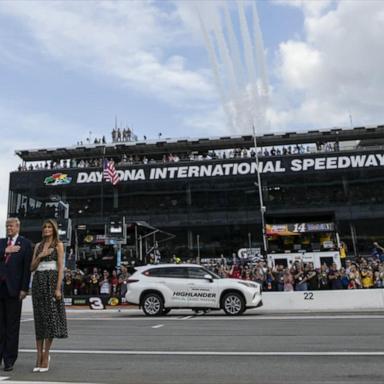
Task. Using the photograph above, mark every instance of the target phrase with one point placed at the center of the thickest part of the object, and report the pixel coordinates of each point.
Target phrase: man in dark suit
(15, 273)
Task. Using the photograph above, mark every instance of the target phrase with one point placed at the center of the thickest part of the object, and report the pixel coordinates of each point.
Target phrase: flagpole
(260, 189)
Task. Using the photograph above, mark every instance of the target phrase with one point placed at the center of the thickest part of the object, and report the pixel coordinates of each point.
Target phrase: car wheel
(233, 304)
(153, 304)
(166, 311)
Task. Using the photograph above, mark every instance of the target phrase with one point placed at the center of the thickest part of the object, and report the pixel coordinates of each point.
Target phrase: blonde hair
(13, 220)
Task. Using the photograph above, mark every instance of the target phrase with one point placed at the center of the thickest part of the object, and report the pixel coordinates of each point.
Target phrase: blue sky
(38, 79)
(68, 68)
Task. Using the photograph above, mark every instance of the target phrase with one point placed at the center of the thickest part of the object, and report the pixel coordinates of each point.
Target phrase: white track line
(36, 382)
(213, 353)
(158, 326)
(6, 381)
(255, 312)
(229, 318)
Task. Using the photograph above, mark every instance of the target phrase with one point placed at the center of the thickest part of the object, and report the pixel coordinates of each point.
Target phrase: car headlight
(249, 284)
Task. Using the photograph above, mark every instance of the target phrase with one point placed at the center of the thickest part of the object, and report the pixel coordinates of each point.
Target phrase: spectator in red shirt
(235, 272)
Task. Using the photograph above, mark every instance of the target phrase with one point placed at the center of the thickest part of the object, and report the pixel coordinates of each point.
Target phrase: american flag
(109, 172)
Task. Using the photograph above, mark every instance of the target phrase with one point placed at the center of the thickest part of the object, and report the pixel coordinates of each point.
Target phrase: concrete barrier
(311, 301)
(317, 301)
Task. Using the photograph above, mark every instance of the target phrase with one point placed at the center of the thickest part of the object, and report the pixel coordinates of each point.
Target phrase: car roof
(144, 267)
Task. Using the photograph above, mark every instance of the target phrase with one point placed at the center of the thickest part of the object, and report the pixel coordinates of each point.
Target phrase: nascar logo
(57, 179)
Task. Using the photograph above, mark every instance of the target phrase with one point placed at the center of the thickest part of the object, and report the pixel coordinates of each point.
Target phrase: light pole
(262, 207)
(198, 248)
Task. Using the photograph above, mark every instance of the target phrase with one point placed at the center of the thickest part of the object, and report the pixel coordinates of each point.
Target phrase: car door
(202, 292)
(173, 282)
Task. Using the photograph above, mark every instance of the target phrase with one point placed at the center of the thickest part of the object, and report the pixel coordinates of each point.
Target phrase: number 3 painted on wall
(96, 303)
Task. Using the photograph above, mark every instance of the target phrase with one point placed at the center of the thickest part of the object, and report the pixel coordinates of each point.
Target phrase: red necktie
(8, 255)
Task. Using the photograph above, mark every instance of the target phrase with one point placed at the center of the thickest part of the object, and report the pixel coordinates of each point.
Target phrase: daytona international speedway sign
(240, 167)
(279, 165)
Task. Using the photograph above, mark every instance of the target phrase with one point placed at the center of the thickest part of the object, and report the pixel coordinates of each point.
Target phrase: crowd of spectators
(125, 159)
(361, 273)
(101, 140)
(96, 282)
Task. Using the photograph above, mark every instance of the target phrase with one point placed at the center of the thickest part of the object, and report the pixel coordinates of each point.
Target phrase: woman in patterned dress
(47, 297)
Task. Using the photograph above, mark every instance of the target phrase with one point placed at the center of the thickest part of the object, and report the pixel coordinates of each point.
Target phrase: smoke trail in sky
(215, 67)
(239, 104)
(259, 50)
(228, 70)
(233, 44)
(253, 102)
(238, 63)
(247, 49)
(261, 64)
(225, 56)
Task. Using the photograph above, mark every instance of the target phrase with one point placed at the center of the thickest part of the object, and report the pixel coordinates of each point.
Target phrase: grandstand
(202, 191)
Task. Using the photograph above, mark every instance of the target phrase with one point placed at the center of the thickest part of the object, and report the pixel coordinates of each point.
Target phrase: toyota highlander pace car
(159, 288)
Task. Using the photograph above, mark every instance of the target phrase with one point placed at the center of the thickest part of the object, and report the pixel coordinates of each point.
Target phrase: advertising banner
(307, 163)
(298, 228)
(93, 302)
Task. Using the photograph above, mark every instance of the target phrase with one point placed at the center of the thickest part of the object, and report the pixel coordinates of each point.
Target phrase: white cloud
(209, 122)
(336, 69)
(309, 7)
(25, 131)
(129, 40)
(299, 62)
(139, 43)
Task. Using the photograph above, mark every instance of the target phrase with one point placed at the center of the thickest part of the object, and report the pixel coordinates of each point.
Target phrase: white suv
(159, 288)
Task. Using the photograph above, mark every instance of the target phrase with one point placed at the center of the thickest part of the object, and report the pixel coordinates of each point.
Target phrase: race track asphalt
(182, 348)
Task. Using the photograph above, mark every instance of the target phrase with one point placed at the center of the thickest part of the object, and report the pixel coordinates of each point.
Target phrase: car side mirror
(208, 277)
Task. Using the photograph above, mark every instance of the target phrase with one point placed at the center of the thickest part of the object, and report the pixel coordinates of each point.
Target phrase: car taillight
(129, 281)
